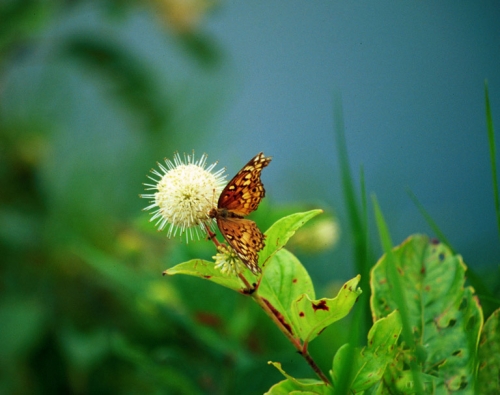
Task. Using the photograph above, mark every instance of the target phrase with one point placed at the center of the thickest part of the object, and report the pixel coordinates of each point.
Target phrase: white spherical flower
(185, 193)
(227, 261)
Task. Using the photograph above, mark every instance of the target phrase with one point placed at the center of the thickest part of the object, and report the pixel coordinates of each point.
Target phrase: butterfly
(239, 198)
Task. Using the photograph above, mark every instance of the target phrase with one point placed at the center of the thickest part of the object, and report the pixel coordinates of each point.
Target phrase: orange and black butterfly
(239, 198)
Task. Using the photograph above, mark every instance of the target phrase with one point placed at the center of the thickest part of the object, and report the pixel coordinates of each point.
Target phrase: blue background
(94, 93)
(411, 76)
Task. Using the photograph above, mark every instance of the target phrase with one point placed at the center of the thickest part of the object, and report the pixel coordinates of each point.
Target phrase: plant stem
(212, 236)
(249, 289)
(315, 367)
(270, 311)
(301, 348)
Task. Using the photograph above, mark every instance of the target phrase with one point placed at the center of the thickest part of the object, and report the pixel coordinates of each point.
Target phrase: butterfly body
(239, 198)
(223, 213)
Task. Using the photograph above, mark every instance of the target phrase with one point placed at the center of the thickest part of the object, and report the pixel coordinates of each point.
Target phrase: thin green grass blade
(366, 262)
(364, 208)
(361, 318)
(399, 294)
(476, 281)
(359, 230)
(386, 242)
(491, 141)
(357, 220)
(430, 221)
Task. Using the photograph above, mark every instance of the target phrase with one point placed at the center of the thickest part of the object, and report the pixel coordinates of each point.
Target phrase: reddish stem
(301, 348)
(212, 236)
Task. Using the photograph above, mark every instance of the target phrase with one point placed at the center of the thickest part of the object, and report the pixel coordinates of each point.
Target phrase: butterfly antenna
(213, 198)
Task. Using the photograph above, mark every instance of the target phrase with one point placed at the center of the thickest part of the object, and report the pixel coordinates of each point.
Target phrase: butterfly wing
(245, 191)
(245, 239)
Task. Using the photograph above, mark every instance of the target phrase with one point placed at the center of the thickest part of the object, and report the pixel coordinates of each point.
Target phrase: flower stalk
(183, 198)
(269, 310)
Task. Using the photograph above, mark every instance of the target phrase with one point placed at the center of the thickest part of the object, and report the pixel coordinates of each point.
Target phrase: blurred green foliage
(85, 110)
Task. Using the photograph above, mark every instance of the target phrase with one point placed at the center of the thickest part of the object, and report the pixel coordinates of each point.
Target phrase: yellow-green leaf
(207, 271)
(281, 231)
(311, 317)
(293, 385)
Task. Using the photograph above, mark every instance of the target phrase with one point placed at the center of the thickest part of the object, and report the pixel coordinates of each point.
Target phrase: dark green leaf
(445, 317)
(488, 379)
(368, 365)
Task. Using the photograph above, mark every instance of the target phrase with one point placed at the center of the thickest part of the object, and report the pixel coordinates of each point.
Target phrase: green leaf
(368, 365)
(284, 281)
(384, 334)
(445, 317)
(488, 379)
(297, 386)
(288, 290)
(281, 231)
(276, 237)
(207, 271)
(310, 317)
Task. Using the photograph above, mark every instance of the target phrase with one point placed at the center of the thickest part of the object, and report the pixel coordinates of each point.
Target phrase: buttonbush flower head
(227, 261)
(184, 194)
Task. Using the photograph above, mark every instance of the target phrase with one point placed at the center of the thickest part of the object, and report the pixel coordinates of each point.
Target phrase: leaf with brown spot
(278, 289)
(311, 317)
(444, 316)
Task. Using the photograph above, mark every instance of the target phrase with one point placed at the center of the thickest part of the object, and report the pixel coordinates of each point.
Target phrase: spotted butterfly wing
(245, 239)
(239, 198)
